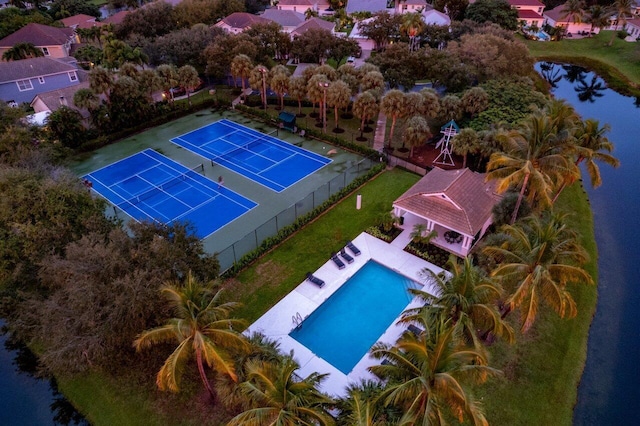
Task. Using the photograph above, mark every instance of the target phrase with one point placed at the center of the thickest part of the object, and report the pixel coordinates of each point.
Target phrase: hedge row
(285, 232)
(157, 120)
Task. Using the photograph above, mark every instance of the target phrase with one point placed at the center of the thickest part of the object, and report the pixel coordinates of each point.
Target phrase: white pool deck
(279, 321)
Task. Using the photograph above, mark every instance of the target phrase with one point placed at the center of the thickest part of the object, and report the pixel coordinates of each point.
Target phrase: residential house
(287, 19)
(633, 27)
(54, 42)
(434, 17)
(456, 204)
(372, 6)
(116, 18)
(238, 22)
(313, 23)
(79, 21)
(20, 81)
(366, 44)
(556, 18)
(529, 12)
(410, 6)
(47, 102)
(320, 6)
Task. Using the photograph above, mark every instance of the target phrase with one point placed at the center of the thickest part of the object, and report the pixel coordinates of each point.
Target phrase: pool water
(346, 325)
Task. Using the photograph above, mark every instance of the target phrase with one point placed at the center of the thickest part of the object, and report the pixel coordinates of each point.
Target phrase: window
(45, 51)
(73, 76)
(24, 85)
(41, 80)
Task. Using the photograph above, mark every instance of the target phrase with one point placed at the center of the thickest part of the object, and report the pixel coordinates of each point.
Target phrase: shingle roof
(558, 14)
(54, 99)
(38, 35)
(457, 199)
(29, 68)
(286, 18)
(313, 23)
(117, 18)
(243, 20)
(366, 6)
(295, 3)
(81, 21)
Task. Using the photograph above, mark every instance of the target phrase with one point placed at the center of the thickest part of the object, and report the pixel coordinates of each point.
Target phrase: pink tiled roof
(525, 3)
(528, 14)
(78, 20)
(456, 199)
(243, 20)
(38, 35)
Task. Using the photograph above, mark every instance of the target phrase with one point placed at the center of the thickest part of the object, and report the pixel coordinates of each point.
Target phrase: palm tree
(101, 81)
(590, 145)
(279, 397)
(430, 103)
(202, 327)
(188, 78)
(426, 376)
(298, 90)
(169, 77)
(418, 235)
(372, 80)
(414, 104)
(574, 10)
(623, 10)
(536, 262)
(393, 105)
(415, 133)
(474, 101)
(280, 85)
(338, 96)
(598, 17)
(531, 158)
(360, 407)
(85, 98)
(466, 142)
(412, 25)
(467, 297)
(21, 51)
(365, 107)
(450, 107)
(241, 67)
(315, 90)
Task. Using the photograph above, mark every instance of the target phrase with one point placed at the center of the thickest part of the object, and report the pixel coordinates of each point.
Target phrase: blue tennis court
(150, 186)
(260, 157)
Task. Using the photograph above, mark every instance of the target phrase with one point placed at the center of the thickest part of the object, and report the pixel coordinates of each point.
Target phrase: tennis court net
(246, 147)
(160, 188)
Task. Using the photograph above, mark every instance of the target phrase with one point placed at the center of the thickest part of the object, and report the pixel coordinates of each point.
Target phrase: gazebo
(288, 120)
(456, 204)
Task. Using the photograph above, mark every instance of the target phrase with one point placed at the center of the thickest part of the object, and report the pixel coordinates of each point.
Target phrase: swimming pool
(348, 323)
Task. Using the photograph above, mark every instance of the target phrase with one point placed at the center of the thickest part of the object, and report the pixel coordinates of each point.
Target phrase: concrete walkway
(381, 130)
(238, 100)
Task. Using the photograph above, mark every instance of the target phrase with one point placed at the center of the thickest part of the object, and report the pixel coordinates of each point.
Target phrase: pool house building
(456, 204)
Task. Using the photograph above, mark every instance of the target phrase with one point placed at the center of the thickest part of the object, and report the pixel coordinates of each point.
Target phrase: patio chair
(346, 256)
(416, 331)
(353, 248)
(339, 263)
(317, 281)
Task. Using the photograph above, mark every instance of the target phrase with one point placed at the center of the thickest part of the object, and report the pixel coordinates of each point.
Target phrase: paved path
(381, 130)
(238, 100)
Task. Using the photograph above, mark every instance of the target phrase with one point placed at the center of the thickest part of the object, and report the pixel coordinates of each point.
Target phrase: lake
(28, 400)
(609, 393)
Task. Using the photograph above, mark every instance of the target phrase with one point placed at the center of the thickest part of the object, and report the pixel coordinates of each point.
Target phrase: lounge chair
(353, 248)
(317, 281)
(417, 331)
(346, 256)
(339, 263)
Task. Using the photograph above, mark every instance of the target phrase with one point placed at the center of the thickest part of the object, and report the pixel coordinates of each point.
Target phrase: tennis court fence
(271, 227)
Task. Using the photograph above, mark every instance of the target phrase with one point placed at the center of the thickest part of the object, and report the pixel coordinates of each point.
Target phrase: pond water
(609, 393)
(28, 400)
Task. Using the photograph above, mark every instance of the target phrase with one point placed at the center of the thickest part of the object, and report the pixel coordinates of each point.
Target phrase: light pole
(324, 86)
(263, 71)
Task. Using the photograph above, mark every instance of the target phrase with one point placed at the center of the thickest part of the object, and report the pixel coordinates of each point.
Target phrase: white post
(358, 202)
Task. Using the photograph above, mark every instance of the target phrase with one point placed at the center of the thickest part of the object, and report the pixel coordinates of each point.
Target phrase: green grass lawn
(543, 369)
(276, 274)
(621, 60)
